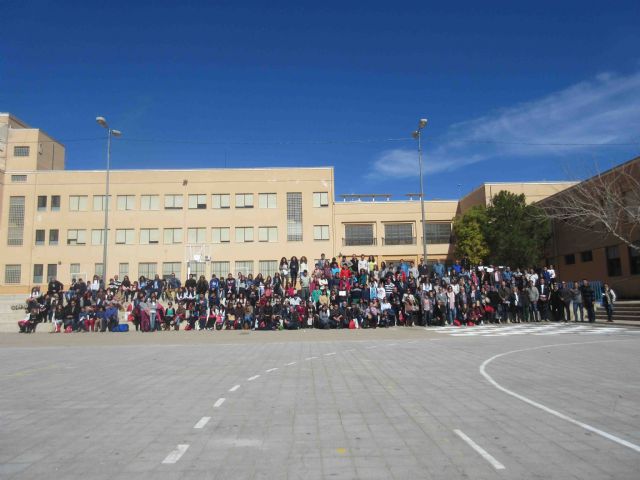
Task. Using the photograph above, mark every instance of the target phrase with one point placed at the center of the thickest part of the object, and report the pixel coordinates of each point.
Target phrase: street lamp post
(417, 134)
(105, 244)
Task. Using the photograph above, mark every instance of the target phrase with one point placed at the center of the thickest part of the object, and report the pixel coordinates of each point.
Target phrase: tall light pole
(105, 244)
(417, 134)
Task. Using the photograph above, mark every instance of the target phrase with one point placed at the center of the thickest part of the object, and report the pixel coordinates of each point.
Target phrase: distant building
(205, 221)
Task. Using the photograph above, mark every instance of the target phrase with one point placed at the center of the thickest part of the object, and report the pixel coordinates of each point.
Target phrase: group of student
(338, 293)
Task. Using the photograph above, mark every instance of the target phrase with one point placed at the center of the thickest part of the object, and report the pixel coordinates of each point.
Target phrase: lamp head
(102, 122)
(415, 134)
(423, 123)
(116, 133)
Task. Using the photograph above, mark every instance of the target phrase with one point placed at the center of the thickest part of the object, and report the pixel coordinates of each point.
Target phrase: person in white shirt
(363, 264)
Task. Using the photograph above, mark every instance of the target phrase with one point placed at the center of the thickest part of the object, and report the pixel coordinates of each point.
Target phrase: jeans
(451, 314)
(609, 309)
(591, 314)
(533, 312)
(152, 321)
(577, 307)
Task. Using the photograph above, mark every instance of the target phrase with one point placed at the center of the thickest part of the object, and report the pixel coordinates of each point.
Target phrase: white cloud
(603, 110)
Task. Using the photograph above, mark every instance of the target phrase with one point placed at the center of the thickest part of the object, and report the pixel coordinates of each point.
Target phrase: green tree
(516, 233)
(470, 240)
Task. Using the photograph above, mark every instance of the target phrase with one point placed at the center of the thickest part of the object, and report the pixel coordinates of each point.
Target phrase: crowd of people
(341, 292)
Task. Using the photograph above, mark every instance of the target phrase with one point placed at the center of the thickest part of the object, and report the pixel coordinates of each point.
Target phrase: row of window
(614, 262)
(13, 273)
(80, 203)
(396, 233)
(172, 236)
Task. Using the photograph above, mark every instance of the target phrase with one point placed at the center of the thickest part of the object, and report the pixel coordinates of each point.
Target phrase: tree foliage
(468, 230)
(516, 233)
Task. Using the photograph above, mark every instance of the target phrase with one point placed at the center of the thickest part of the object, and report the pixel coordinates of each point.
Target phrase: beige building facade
(207, 221)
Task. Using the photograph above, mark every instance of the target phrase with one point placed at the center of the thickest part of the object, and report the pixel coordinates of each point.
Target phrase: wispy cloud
(604, 110)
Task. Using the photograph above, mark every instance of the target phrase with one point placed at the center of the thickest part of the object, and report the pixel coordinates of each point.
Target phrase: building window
(398, 234)
(634, 260)
(220, 269)
(123, 270)
(12, 274)
(359, 234)
(150, 202)
(244, 234)
(171, 267)
(39, 237)
(321, 232)
(97, 237)
(124, 236)
(586, 256)
(197, 202)
(55, 203)
(74, 271)
(220, 200)
(196, 269)
(220, 234)
(172, 236)
(294, 216)
(38, 272)
(267, 267)
(147, 270)
(320, 199)
(267, 234)
(20, 151)
(78, 203)
(149, 236)
(196, 235)
(42, 203)
(267, 200)
(98, 269)
(437, 232)
(570, 259)
(173, 202)
(614, 265)
(15, 229)
(52, 271)
(126, 202)
(18, 178)
(99, 203)
(53, 237)
(76, 237)
(244, 267)
(244, 200)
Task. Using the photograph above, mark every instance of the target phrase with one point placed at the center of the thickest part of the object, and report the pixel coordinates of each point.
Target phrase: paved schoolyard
(387, 404)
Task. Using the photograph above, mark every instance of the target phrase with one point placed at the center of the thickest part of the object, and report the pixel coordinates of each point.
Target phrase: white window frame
(220, 235)
(78, 203)
(268, 234)
(196, 235)
(244, 234)
(320, 199)
(76, 236)
(149, 202)
(268, 200)
(149, 236)
(97, 236)
(173, 201)
(172, 236)
(244, 200)
(125, 236)
(321, 232)
(220, 200)
(197, 201)
(99, 203)
(126, 202)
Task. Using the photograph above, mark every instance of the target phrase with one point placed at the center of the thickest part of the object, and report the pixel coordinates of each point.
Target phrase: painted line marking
(290, 363)
(202, 422)
(373, 346)
(544, 408)
(349, 350)
(392, 344)
(234, 388)
(483, 453)
(219, 402)
(251, 379)
(271, 370)
(311, 358)
(329, 354)
(175, 455)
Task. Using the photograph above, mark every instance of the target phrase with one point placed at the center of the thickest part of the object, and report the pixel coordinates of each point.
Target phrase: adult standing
(608, 298)
(588, 299)
(576, 300)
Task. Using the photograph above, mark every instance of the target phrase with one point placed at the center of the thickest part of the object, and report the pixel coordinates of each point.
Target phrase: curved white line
(533, 403)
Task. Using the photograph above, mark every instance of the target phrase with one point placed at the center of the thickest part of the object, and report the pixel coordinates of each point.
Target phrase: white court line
(202, 422)
(349, 350)
(329, 354)
(175, 455)
(219, 402)
(562, 416)
(290, 363)
(311, 358)
(392, 345)
(483, 453)
(271, 370)
(373, 346)
(234, 388)
(251, 379)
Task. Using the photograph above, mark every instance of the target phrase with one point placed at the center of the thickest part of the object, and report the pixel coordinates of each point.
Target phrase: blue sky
(243, 84)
